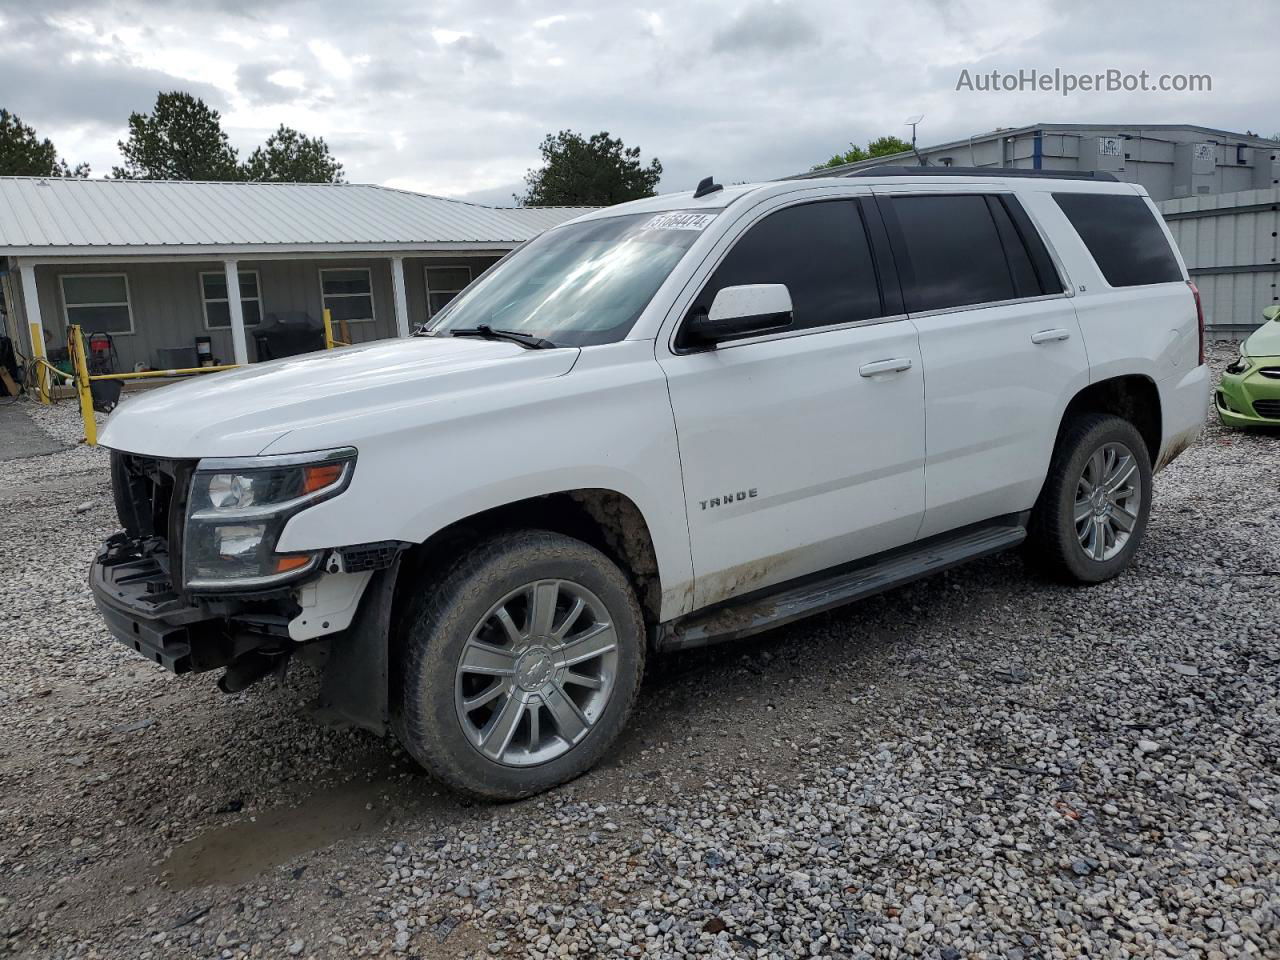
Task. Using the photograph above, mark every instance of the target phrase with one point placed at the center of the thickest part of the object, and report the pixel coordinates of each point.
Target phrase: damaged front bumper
(342, 615)
(134, 592)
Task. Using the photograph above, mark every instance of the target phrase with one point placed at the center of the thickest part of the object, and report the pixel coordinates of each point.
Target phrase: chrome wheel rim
(536, 673)
(1108, 501)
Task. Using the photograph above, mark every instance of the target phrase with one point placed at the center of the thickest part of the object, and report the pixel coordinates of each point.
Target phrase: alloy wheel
(1108, 501)
(536, 673)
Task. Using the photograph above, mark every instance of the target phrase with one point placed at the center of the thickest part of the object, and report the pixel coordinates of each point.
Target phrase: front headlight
(237, 510)
(1240, 364)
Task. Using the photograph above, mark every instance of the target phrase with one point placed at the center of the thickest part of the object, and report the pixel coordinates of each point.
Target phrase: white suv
(667, 423)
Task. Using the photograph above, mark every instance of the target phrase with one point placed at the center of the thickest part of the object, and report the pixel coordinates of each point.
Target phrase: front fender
(606, 425)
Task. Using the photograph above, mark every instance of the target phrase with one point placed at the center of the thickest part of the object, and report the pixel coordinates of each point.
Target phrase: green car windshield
(580, 284)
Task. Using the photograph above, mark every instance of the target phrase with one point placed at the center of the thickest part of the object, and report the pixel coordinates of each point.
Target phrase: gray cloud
(742, 89)
(477, 48)
(54, 90)
(253, 80)
(768, 26)
(62, 76)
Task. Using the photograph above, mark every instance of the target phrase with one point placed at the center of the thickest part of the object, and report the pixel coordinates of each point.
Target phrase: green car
(1249, 393)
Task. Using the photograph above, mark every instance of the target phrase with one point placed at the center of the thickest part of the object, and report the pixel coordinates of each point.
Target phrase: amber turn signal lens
(317, 478)
(294, 562)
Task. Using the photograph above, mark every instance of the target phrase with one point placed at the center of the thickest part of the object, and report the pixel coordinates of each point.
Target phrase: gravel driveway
(978, 765)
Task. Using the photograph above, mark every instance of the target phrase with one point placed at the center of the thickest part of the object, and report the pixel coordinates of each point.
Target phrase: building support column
(401, 298)
(239, 345)
(35, 325)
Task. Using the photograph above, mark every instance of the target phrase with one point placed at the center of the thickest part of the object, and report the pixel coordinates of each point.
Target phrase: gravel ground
(979, 765)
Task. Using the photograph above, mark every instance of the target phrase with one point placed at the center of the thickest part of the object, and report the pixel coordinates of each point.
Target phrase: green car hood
(1265, 341)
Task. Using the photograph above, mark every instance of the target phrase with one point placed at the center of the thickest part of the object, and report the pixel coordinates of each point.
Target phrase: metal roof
(64, 216)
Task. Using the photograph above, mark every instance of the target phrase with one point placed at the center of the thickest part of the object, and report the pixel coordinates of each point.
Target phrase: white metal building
(1169, 159)
(1232, 251)
(156, 264)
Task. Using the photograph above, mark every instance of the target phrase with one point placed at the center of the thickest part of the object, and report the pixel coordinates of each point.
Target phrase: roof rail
(904, 171)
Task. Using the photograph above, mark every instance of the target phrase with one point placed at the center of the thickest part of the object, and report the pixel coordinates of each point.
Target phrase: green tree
(181, 139)
(291, 157)
(24, 154)
(595, 172)
(879, 147)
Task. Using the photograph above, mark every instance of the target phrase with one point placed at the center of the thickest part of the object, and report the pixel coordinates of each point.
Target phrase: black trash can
(288, 334)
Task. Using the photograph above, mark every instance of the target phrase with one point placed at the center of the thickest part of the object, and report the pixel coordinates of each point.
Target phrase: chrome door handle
(1051, 336)
(885, 366)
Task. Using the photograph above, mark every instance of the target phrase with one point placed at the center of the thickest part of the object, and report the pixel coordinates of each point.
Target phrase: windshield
(580, 284)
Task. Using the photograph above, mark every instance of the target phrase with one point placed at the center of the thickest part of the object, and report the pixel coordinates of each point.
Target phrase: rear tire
(519, 668)
(1092, 513)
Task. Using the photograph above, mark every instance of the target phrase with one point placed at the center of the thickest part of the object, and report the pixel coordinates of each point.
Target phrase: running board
(765, 610)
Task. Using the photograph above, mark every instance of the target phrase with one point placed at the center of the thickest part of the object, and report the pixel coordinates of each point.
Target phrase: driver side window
(820, 251)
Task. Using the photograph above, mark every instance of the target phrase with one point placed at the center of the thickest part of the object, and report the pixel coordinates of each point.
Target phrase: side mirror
(1271, 313)
(741, 311)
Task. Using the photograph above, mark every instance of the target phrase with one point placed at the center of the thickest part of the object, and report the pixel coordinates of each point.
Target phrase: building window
(217, 311)
(98, 302)
(348, 293)
(443, 284)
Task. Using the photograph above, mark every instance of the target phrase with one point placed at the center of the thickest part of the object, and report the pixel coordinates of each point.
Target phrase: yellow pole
(80, 364)
(37, 351)
(328, 329)
(144, 374)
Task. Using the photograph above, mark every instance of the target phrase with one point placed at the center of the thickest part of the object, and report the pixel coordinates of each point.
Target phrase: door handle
(885, 366)
(1051, 336)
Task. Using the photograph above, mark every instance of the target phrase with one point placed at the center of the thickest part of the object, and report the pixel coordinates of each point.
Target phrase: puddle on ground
(237, 852)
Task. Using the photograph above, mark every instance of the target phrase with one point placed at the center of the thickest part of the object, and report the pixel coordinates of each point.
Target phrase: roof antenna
(912, 122)
(705, 186)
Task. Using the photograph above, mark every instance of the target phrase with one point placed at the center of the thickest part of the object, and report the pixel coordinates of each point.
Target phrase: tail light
(1195, 292)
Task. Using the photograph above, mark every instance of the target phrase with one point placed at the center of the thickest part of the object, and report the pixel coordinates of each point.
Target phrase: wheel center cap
(534, 669)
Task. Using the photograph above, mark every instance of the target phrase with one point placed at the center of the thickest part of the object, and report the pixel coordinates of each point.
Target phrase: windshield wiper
(486, 332)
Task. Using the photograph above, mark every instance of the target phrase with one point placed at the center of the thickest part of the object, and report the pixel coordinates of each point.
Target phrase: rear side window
(965, 249)
(954, 250)
(820, 251)
(1123, 237)
(1033, 271)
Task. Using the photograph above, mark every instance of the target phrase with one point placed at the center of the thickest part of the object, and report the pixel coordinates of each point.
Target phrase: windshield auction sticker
(679, 221)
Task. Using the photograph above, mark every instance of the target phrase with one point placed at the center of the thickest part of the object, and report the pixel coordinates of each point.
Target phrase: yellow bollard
(80, 363)
(328, 329)
(37, 351)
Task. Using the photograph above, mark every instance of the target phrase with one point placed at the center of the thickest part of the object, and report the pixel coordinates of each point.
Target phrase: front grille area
(143, 493)
(151, 501)
(1267, 408)
(1271, 373)
(150, 494)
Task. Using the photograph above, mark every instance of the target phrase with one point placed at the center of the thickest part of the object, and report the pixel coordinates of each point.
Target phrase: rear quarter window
(1123, 237)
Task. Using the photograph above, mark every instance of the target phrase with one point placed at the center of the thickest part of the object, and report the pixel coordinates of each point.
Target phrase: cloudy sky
(453, 98)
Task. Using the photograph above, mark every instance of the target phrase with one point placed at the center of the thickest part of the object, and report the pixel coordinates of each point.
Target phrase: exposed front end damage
(138, 586)
(135, 593)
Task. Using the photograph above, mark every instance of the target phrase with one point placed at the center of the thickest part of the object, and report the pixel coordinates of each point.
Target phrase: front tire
(519, 669)
(1093, 510)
